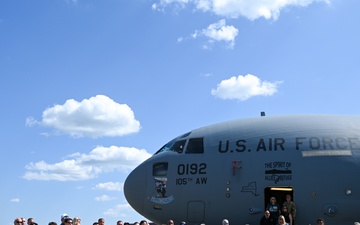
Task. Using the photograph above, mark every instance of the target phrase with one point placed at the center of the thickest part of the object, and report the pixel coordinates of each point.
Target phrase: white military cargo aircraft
(232, 169)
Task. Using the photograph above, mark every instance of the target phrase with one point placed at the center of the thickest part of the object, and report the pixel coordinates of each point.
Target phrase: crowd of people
(274, 215)
(66, 220)
(284, 215)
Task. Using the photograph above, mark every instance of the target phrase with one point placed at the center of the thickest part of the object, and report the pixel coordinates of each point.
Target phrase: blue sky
(89, 89)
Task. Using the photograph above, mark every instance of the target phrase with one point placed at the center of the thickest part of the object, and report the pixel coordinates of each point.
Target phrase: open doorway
(279, 193)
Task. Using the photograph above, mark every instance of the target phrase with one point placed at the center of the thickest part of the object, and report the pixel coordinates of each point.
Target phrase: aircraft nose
(135, 188)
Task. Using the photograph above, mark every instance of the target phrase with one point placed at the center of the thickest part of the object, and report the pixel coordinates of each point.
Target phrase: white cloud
(121, 210)
(251, 9)
(218, 31)
(178, 4)
(87, 166)
(110, 186)
(103, 198)
(94, 117)
(244, 87)
(16, 200)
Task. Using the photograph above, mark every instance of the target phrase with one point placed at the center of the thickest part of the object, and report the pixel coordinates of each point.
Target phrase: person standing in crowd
(273, 208)
(119, 222)
(52, 223)
(101, 221)
(225, 222)
(68, 221)
(320, 221)
(18, 221)
(76, 221)
(291, 207)
(63, 216)
(30, 221)
(266, 219)
(143, 222)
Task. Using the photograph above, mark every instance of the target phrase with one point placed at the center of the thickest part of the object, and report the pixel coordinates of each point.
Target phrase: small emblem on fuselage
(251, 187)
(160, 187)
(278, 171)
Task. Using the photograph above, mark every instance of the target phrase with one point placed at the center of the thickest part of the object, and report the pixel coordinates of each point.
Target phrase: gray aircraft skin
(231, 169)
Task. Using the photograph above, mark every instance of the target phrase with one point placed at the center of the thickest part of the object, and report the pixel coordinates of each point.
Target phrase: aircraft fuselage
(231, 169)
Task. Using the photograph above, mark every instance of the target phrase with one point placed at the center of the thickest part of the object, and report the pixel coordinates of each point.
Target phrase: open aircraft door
(279, 193)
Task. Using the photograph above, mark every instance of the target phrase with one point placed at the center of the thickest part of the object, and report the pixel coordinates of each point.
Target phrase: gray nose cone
(135, 188)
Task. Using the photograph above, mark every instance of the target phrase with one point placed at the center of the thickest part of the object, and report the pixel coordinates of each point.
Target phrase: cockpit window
(178, 146)
(195, 146)
(165, 147)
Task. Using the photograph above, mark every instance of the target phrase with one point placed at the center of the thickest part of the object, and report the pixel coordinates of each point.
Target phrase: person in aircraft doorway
(291, 207)
(281, 221)
(287, 215)
(273, 208)
(266, 219)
